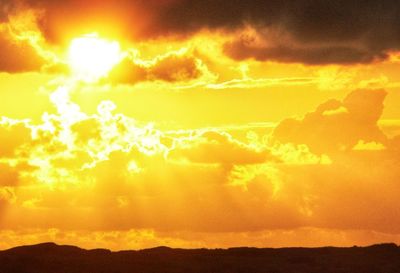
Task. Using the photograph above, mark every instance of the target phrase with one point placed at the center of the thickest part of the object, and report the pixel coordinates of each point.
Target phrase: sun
(91, 57)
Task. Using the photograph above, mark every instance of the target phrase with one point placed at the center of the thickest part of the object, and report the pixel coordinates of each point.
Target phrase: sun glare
(91, 57)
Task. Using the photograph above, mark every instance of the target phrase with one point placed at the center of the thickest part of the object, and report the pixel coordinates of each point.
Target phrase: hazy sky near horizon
(214, 123)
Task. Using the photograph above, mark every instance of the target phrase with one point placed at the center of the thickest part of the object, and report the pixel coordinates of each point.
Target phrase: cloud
(86, 130)
(219, 148)
(105, 173)
(7, 194)
(8, 175)
(21, 42)
(172, 67)
(311, 32)
(337, 125)
(6, 7)
(317, 55)
(370, 146)
(358, 179)
(18, 56)
(108, 172)
(13, 134)
(7, 197)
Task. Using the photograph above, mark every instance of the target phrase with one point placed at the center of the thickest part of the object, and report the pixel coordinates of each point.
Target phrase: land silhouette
(52, 258)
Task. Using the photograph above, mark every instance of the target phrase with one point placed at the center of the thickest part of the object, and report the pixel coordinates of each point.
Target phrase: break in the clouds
(310, 32)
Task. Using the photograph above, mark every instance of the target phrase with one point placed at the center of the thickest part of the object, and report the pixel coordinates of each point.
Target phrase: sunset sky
(199, 123)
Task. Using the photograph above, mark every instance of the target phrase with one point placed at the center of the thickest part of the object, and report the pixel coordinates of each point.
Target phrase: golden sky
(133, 124)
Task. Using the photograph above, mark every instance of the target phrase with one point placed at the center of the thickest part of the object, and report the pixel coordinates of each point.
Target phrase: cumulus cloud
(361, 171)
(337, 125)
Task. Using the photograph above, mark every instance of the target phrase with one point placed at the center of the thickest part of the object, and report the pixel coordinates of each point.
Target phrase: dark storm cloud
(315, 31)
(314, 56)
(306, 20)
(319, 31)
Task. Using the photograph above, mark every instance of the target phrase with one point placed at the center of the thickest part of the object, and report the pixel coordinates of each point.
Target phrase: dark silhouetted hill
(52, 258)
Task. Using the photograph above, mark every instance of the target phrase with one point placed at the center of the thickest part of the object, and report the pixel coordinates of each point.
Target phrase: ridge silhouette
(53, 258)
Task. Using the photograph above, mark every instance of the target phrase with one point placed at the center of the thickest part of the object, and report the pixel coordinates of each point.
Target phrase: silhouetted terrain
(51, 258)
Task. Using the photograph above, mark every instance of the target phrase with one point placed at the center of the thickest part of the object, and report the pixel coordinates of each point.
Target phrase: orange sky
(181, 123)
